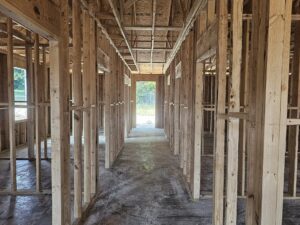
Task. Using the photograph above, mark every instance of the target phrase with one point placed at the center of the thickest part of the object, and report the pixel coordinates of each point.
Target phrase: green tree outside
(145, 98)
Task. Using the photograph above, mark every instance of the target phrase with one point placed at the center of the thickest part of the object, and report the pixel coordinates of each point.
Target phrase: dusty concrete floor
(144, 187)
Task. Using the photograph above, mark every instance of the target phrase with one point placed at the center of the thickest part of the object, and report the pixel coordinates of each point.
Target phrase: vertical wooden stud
(77, 114)
(11, 105)
(30, 98)
(221, 64)
(86, 104)
(37, 112)
(198, 131)
(234, 106)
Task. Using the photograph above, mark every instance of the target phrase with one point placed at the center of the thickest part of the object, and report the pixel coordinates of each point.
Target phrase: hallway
(145, 186)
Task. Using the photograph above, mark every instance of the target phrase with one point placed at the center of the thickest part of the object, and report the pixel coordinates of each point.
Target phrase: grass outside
(145, 110)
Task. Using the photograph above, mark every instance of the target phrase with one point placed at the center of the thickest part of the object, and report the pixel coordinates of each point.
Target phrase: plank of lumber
(37, 112)
(219, 147)
(244, 102)
(78, 101)
(86, 103)
(234, 106)
(198, 132)
(148, 28)
(177, 113)
(211, 11)
(11, 107)
(107, 116)
(44, 91)
(293, 122)
(60, 121)
(30, 98)
(93, 102)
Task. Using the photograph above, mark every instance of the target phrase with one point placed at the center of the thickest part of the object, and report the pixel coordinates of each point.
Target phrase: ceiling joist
(118, 20)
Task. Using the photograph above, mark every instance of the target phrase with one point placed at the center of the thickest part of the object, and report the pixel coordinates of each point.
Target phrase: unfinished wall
(233, 92)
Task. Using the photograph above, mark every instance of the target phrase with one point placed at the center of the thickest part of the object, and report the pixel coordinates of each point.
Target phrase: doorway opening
(145, 104)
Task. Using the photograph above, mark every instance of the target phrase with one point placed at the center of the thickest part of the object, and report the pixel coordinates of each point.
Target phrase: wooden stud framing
(218, 184)
(234, 106)
(77, 114)
(30, 98)
(93, 102)
(198, 132)
(244, 102)
(60, 116)
(37, 112)
(86, 103)
(44, 90)
(11, 107)
(177, 114)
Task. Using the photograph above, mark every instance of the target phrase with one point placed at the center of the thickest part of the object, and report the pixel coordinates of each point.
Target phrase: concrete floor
(145, 186)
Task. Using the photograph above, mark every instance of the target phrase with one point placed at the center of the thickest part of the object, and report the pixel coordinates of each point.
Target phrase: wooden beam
(293, 122)
(40, 16)
(211, 11)
(198, 132)
(244, 102)
(37, 112)
(44, 90)
(197, 5)
(154, 49)
(86, 103)
(93, 102)
(148, 28)
(177, 76)
(234, 106)
(108, 118)
(30, 97)
(11, 107)
(221, 64)
(78, 101)
(117, 17)
(60, 122)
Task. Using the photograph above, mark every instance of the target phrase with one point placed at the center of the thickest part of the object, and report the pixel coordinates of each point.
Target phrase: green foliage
(20, 84)
(145, 98)
(145, 93)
